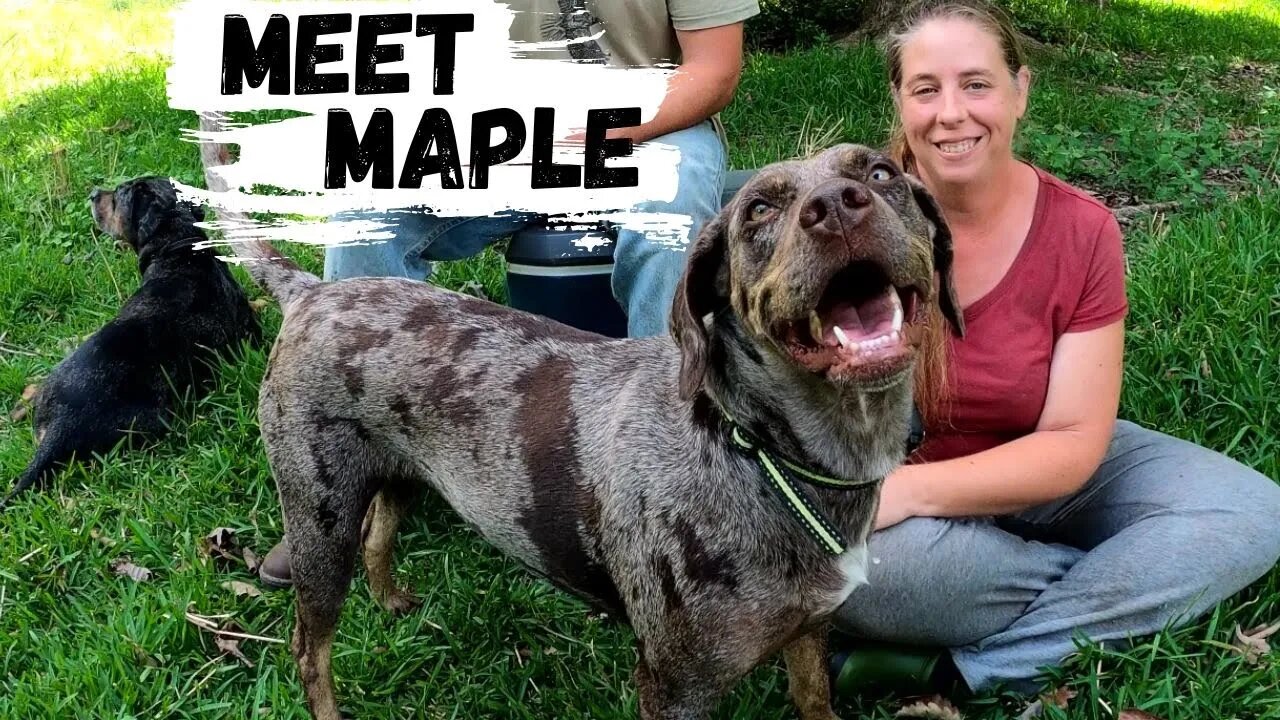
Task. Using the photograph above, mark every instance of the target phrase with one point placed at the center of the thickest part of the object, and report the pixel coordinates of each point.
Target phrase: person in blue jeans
(704, 40)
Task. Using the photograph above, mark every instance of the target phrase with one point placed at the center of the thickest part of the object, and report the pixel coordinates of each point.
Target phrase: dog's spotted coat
(606, 465)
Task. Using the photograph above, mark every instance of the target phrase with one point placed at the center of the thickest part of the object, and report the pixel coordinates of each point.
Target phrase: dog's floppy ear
(942, 256)
(149, 206)
(698, 293)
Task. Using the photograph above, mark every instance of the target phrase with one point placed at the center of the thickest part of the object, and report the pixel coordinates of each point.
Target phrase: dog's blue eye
(881, 173)
(759, 210)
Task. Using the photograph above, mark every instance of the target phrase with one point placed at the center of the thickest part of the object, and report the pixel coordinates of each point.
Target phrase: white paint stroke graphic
(492, 71)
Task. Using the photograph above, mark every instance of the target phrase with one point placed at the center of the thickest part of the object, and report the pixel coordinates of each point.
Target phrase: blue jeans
(645, 272)
(1162, 532)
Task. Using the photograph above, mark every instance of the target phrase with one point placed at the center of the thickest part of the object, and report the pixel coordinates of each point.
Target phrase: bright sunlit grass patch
(1263, 9)
(46, 43)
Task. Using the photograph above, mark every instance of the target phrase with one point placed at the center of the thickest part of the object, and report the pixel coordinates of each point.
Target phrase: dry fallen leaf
(934, 707)
(1059, 698)
(231, 646)
(257, 304)
(220, 544)
(24, 404)
(251, 560)
(1253, 644)
(131, 571)
(242, 589)
(1135, 714)
(96, 534)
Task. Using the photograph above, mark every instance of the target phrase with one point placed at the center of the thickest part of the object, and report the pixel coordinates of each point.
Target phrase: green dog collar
(781, 473)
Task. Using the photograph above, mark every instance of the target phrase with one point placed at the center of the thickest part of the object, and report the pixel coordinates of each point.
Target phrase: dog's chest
(851, 573)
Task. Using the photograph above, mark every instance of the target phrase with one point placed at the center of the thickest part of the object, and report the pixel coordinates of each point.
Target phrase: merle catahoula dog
(656, 478)
(123, 382)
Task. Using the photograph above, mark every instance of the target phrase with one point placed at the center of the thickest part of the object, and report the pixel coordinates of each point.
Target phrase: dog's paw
(398, 601)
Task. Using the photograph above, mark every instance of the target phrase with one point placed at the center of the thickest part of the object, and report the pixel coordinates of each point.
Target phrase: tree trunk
(878, 17)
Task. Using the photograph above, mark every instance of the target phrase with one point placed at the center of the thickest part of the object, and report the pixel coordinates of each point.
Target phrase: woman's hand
(897, 501)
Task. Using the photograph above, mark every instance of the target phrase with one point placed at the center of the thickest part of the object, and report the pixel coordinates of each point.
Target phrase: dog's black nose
(836, 206)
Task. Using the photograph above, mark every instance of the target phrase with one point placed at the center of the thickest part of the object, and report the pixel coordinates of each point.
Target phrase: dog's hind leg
(379, 545)
(326, 482)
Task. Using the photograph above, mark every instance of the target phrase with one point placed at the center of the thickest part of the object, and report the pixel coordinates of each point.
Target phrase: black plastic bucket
(564, 274)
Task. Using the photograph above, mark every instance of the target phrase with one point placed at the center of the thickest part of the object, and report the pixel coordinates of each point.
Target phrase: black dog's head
(827, 264)
(143, 210)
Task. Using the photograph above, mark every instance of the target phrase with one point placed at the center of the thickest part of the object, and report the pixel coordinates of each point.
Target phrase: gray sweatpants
(1162, 532)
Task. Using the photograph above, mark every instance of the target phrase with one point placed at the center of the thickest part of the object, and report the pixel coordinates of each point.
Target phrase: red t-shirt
(1067, 277)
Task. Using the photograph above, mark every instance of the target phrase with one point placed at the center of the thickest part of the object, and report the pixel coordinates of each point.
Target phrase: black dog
(124, 380)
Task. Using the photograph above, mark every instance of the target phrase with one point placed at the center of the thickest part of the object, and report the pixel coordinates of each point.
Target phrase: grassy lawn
(1141, 102)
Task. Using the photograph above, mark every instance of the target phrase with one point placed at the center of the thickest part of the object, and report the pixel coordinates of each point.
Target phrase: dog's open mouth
(860, 329)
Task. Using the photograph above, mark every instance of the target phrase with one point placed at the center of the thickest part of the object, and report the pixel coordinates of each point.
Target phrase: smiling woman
(1031, 514)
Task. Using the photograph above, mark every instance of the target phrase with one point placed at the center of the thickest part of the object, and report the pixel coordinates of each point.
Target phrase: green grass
(1142, 101)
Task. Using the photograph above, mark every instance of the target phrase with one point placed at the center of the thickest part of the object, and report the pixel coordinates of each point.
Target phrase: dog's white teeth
(894, 337)
(844, 339)
(897, 311)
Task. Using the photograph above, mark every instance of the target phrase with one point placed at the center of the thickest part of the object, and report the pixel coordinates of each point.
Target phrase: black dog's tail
(276, 273)
(51, 455)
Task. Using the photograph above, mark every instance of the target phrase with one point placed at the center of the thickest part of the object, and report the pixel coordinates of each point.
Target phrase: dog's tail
(276, 273)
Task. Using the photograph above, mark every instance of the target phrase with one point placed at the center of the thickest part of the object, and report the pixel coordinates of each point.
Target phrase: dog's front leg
(666, 698)
(807, 671)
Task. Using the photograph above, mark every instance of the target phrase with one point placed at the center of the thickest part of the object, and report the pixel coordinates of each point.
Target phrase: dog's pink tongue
(861, 321)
